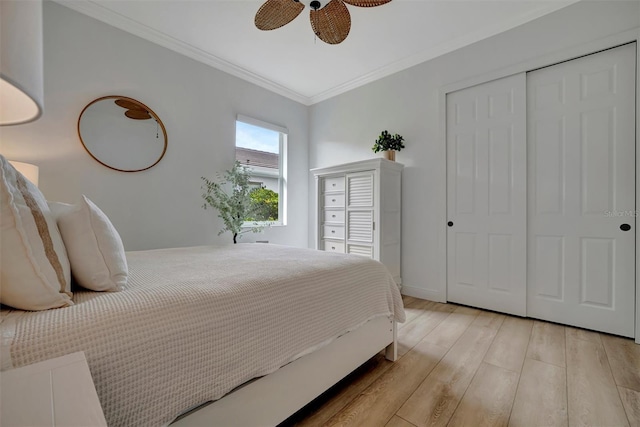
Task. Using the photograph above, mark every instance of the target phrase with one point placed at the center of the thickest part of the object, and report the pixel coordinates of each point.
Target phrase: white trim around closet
(629, 36)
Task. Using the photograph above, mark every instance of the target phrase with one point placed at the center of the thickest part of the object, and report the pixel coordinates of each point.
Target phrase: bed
(258, 329)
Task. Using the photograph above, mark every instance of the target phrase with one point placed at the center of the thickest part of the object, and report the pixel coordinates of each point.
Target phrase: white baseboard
(428, 294)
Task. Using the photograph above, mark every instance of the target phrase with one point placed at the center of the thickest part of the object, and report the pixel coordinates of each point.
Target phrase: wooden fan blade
(331, 23)
(137, 114)
(276, 13)
(128, 104)
(366, 3)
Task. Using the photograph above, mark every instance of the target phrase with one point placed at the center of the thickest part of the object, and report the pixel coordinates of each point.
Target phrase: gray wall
(342, 129)
(161, 207)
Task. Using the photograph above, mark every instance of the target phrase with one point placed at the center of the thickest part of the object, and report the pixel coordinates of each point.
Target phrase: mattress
(194, 323)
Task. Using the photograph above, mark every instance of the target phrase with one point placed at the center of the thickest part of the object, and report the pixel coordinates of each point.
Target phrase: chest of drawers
(358, 210)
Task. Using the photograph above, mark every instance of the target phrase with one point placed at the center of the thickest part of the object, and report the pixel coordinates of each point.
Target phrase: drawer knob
(333, 231)
(333, 247)
(333, 200)
(333, 216)
(334, 184)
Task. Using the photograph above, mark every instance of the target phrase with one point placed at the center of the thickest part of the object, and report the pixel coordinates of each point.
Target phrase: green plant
(386, 142)
(231, 197)
(264, 203)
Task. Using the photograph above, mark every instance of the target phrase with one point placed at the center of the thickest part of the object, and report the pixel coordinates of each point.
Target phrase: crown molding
(439, 50)
(96, 11)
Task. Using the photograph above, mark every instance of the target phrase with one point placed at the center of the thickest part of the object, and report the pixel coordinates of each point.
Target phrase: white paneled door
(541, 193)
(486, 192)
(581, 192)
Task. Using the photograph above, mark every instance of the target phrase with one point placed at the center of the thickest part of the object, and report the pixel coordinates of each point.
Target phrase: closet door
(581, 192)
(486, 195)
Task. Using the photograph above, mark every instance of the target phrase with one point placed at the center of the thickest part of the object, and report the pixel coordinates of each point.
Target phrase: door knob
(450, 223)
(625, 227)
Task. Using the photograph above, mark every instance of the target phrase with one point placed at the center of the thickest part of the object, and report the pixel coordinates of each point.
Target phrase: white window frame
(282, 171)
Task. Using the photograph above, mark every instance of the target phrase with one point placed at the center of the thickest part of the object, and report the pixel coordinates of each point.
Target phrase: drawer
(333, 216)
(333, 231)
(333, 184)
(334, 200)
(330, 246)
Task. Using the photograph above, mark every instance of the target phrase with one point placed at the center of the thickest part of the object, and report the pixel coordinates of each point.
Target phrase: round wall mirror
(122, 133)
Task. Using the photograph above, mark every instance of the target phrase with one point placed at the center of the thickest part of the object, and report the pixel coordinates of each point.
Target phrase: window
(262, 147)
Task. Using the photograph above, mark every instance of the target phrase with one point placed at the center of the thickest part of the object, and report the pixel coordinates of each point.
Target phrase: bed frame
(273, 398)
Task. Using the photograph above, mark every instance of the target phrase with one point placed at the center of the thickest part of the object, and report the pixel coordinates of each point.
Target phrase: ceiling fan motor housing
(313, 4)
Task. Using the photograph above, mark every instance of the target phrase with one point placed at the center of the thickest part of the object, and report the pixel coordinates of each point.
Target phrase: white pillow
(34, 268)
(58, 209)
(96, 252)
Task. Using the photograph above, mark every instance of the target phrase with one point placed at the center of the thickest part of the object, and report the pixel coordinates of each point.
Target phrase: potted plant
(231, 196)
(389, 144)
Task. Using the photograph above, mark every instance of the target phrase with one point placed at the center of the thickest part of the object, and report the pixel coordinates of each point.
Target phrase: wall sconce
(21, 72)
(31, 172)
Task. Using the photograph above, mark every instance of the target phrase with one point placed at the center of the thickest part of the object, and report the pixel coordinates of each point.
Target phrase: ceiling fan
(330, 19)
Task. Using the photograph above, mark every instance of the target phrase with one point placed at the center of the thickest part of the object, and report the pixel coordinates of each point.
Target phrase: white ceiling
(290, 61)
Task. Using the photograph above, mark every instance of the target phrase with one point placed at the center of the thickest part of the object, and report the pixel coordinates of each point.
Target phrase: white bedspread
(194, 323)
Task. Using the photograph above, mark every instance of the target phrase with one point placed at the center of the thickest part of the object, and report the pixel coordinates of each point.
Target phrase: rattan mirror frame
(139, 104)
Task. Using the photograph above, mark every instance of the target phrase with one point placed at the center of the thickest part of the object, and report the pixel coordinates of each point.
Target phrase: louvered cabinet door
(360, 214)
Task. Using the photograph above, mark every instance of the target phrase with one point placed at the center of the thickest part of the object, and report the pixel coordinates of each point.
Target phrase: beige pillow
(98, 261)
(34, 268)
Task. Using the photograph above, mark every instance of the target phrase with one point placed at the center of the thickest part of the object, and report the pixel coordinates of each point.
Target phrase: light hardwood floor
(461, 366)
